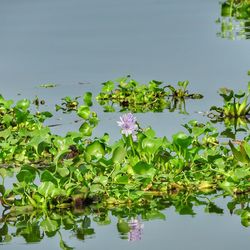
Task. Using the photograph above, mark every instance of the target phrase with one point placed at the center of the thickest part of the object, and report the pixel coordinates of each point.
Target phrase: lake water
(80, 41)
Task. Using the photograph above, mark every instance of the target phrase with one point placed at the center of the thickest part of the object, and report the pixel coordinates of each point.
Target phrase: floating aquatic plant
(235, 106)
(55, 172)
(154, 96)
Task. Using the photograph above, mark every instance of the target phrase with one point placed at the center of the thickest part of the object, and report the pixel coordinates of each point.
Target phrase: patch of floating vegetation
(54, 172)
(235, 113)
(155, 96)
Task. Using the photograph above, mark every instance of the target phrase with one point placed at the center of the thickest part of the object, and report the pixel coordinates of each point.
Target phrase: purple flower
(128, 125)
(135, 232)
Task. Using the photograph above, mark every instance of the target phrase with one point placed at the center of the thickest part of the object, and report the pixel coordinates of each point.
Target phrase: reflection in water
(136, 227)
(36, 226)
(235, 19)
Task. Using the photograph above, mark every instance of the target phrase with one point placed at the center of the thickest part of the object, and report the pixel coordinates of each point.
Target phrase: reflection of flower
(128, 125)
(135, 232)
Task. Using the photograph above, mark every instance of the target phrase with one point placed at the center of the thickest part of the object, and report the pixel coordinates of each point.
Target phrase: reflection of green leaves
(64, 246)
(245, 218)
(2, 189)
(4, 230)
(49, 225)
(186, 210)
(27, 174)
(154, 215)
(213, 208)
(234, 19)
(123, 227)
(103, 219)
(30, 231)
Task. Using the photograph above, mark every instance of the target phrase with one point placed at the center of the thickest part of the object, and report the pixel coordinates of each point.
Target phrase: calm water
(67, 42)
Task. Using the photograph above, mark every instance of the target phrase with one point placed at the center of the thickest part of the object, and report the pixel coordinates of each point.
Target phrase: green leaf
(95, 149)
(84, 112)
(87, 98)
(150, 133)
(4, 230)
(245, 218)
(182, 140)
(143, 168)
(2, 189)
(119, 154)
(108, 86)
(23, 104)
(237, 154)
(101, 179)
(46, 188)
(108, 108)
(213, 208)
(5, 133)
(86, 129)
(40, 136)
(151, 145)
(186, 209)
(123, 227)
(48, 176)
(96, 188)
(31, 232)
(197, 131)
(3, 172)
(58, 192)
(241, 173)
(27, 174)
(227, 186)
(121, 179)
(154, 215)
(49, 225)
(63, 171)
(247, 149)
(64, 246)
(102, 220)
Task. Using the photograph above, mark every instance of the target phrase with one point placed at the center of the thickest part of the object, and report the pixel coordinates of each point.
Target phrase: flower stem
(132, 144)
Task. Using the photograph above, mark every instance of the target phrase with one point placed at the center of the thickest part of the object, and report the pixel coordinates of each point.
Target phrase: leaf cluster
(154, 96)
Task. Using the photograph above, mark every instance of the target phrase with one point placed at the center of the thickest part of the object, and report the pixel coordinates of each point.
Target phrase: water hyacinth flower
(135, 232)
(128, 125)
